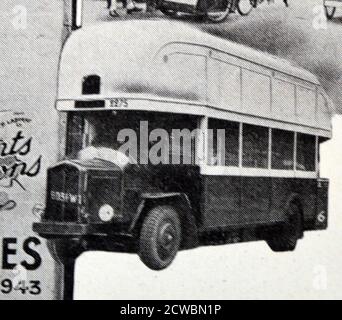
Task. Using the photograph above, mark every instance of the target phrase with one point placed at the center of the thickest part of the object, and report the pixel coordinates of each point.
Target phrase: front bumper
(68, 229)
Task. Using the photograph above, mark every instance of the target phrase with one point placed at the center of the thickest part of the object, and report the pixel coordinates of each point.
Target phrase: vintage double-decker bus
(259, 181)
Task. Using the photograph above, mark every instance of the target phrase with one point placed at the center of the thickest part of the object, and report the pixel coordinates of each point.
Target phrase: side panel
(321, 220)
(226, 201)
(308, 192)
(136, 182)
(256, 200)
(246, 202)
(222, 201)
(237, 201)
(283, 189)
(165, 179)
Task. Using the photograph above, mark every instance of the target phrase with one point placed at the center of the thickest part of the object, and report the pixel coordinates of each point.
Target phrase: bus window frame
(206, 169)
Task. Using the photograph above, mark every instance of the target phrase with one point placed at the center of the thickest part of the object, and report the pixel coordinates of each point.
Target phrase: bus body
(266, 185)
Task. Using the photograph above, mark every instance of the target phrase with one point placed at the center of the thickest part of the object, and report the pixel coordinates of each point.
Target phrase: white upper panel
(173, 61)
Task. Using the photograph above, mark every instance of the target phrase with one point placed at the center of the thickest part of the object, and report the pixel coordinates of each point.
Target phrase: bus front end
(83, 199)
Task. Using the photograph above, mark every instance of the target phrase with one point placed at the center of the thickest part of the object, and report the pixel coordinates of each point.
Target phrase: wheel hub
(166, 240)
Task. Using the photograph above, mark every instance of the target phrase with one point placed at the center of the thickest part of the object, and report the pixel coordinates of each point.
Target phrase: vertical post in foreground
(72, 20)
(69, 280)
(73, 17)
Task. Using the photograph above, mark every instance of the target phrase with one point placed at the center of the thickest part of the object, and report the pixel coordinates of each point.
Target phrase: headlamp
(106, 213)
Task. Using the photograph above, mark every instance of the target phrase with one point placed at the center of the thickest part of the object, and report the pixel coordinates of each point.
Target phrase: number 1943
(31, 287)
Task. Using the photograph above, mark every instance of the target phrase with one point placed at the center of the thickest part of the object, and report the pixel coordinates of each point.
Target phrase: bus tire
(160, 237)
(290, 232)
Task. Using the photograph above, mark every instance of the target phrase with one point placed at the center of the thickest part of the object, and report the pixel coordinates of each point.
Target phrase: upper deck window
(306, 103)
(91, 84)
(283, 98)
(256, 90)
(224, 87)
(255, 146)
(185, 74)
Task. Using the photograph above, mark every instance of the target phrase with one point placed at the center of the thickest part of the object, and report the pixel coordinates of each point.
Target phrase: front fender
(183, 206)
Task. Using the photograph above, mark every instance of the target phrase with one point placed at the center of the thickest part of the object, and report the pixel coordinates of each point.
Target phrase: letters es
(11, 248)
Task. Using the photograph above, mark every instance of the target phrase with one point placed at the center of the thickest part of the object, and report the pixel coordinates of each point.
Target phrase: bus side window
(282, 149)
(306, 152)
(223, 143)
(255, 147)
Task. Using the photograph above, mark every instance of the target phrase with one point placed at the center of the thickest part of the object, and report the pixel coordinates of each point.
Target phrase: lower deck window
(223, 143)
(306, 151)
(282, 150)
(152, 137)
(255, 147)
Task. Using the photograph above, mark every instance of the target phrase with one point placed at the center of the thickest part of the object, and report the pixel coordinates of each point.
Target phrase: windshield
(127, 136)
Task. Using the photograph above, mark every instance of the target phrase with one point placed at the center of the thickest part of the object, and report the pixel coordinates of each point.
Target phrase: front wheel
(287, 237)
(160, 237)
(330, 11)
(244, 7)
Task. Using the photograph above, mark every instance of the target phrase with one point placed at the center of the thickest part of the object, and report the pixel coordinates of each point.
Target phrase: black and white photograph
(170, 150)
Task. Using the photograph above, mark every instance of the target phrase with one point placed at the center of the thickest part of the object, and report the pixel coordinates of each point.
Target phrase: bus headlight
(106, 213)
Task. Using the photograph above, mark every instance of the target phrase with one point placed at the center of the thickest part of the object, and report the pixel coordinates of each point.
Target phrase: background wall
(29, 50)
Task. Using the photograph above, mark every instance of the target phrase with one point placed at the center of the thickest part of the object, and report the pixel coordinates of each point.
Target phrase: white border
(193, 108)
(255, 172)
(188, 2)
(333, 3)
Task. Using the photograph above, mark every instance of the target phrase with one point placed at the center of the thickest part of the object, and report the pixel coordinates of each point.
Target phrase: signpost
(73, 17)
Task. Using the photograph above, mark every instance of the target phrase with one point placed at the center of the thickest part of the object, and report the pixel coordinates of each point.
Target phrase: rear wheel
(244, 7)
(287, 237)
(160, 237)
(330, 11)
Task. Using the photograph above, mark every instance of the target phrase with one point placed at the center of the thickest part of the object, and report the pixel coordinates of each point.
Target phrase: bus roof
(128, 57)
(145, 36)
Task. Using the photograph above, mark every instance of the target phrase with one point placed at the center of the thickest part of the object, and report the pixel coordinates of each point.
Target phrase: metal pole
(72, 20)
(69, 280)
(73, 17)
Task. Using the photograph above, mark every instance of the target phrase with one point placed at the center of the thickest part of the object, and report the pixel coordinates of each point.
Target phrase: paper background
(28, 71)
